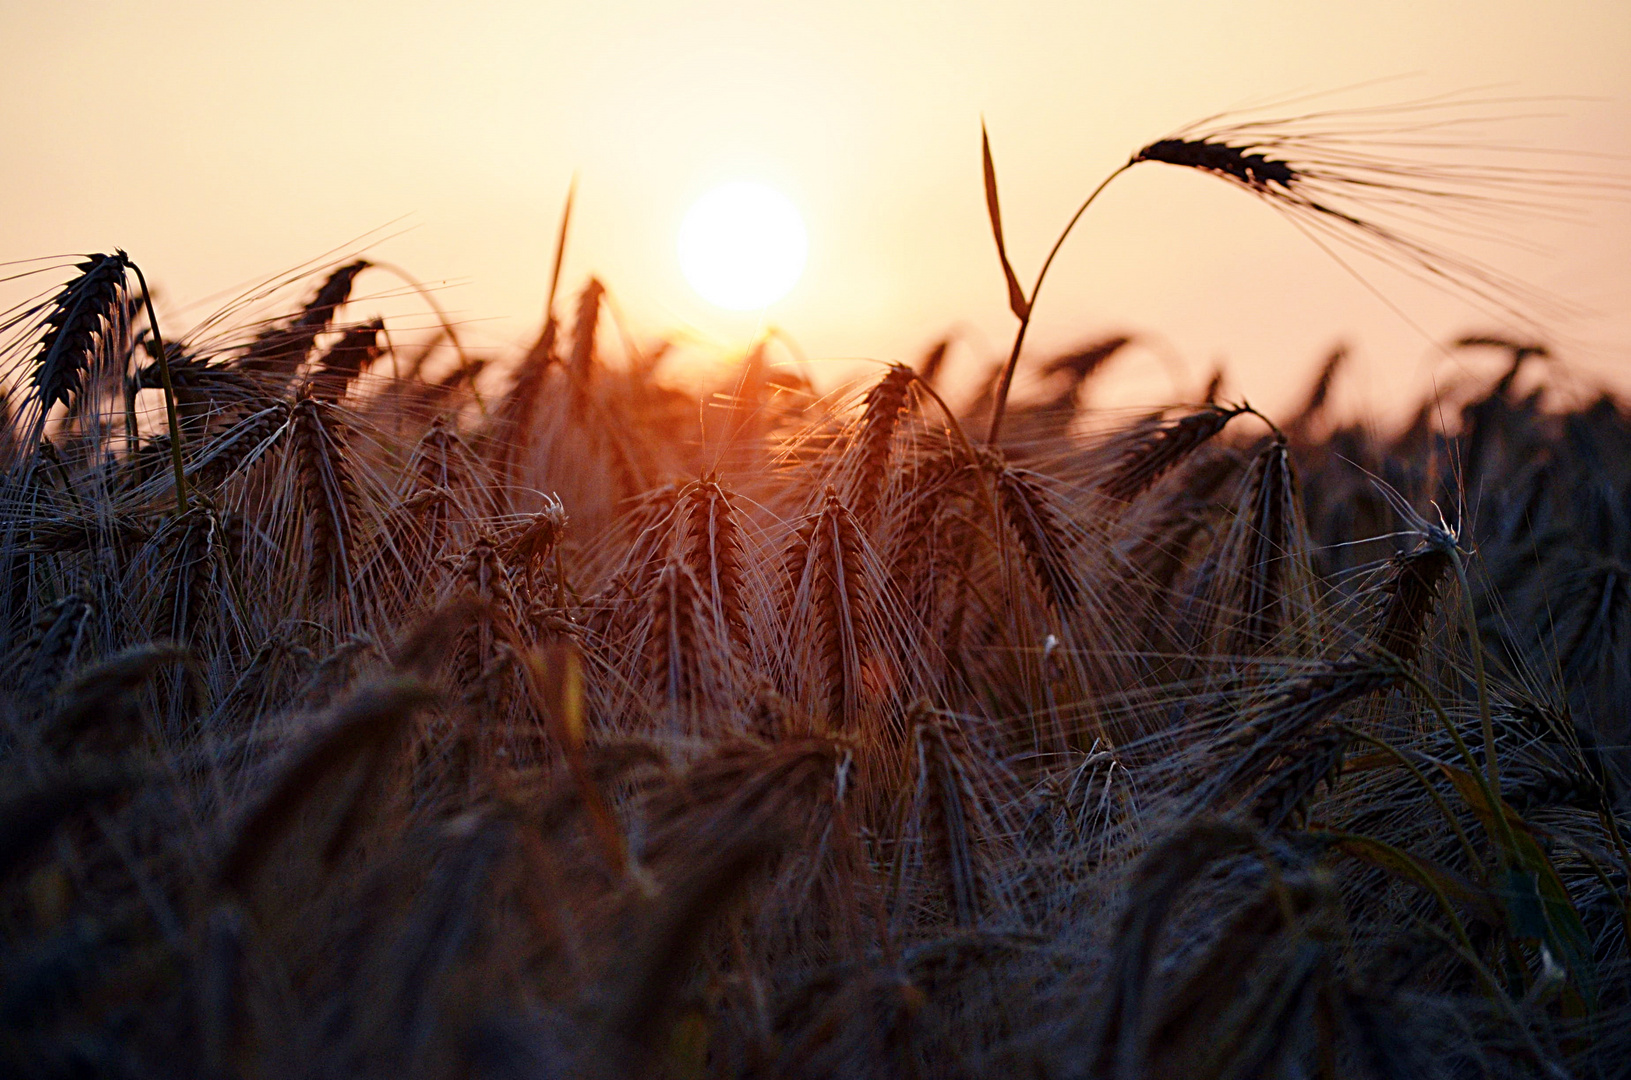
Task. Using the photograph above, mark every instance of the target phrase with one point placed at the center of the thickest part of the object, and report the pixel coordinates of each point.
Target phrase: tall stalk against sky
(1372, 179)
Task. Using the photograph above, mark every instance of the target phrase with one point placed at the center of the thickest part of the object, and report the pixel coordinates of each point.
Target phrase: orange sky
(221, 143)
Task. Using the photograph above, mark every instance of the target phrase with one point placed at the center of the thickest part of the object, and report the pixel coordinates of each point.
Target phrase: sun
(742, 246)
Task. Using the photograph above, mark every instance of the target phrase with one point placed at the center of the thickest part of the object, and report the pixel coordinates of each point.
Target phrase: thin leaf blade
(1017, 303)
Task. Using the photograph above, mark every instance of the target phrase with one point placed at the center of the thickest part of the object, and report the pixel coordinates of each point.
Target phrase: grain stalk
(1310, 177)
(169, 391)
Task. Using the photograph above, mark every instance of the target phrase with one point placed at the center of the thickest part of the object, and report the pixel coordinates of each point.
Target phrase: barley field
(373, 708)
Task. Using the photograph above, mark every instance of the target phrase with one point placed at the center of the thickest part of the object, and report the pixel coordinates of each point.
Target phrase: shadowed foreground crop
(596, 727)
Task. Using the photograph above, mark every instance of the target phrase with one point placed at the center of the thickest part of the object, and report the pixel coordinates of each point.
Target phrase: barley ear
(359, 730)
(1043, 536)
(1151, 453)
(79, 313)
(1116, 1045)
(102, 696)
(885, 404)
(945, 804)
(642, 989)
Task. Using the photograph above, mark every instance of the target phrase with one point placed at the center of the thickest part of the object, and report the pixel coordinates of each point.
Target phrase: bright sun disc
(743, 246)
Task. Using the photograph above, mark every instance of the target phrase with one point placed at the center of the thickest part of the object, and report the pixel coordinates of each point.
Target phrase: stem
(1456, 925)
(1426, 785)
(953, 424)
(169, 393)
(1001, 404)
(1612, 827)
(1476, 645)
(1507, 840)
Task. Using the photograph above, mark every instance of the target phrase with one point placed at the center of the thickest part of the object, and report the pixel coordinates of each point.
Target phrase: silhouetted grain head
(1319, 393)
(863, 1019)
(1386, 182)
(1214, 386)
(932, 485)
(486, 650)
(1241, 164)
(1115, 1045)
(1287, 718)
(640, 993)
(408, 549)
(116, 532)
(443, 459)
(59, 628)
(1519, 351)
(413, 1009)
(194, 556)
(1147, 454)
(581, 362)
(1156, 554)
(209, 395)
(280, 350)
(1546, 731)
(100, 700)
(770, 716)
(1409, 591)
(1536, 779)
(538, 537)
(1270, 502)
(947, 806)
(928, 368)
(79, 318)
(484, 574)
(881, 413)
(449, 391)
(335, 290)
(239, 447)
(648, 525)
(327, 493)
(1079, 366)
(712, 548)
(790, 785)
(1286, 794)
(1043, 533)
(1245, 1003)
(334, 670)
(338, 368)
(511, 428)
(672, 646)
(830, 591)
(440, 458)
(359, 733)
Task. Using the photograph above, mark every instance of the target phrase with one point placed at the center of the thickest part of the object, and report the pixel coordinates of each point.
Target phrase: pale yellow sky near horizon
(221, 143)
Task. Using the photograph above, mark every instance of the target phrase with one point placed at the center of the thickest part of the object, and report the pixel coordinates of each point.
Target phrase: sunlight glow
(742, 246)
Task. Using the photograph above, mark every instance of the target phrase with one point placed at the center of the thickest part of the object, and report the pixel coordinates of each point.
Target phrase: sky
(223, 143)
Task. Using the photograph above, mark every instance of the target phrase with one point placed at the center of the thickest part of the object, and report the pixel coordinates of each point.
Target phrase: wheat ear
(1043, 534)
(827, 573)
(1271, 504)
(325, 481)
(1152, 451)
(362, 729)
(881, 413)
(946, 804)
